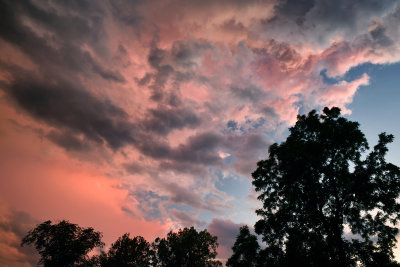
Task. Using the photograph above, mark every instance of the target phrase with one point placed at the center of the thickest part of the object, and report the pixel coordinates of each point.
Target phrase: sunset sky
(148, 116)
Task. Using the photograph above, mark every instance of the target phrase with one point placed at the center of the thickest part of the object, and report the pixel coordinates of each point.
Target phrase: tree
(63, 244)
(245, 249)
(127, 252)
(318, 183)
(186, 248)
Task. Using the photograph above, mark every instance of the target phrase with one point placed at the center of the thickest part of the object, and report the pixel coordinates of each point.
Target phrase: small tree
(245, 249)
(316, 184)
(63, 244)
(186, 248)
(126, 252)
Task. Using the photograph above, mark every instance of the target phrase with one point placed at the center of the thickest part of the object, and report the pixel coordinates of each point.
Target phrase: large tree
(326, 201)
(245, 249)
(127, 252)
(63, 244)
(186, 248)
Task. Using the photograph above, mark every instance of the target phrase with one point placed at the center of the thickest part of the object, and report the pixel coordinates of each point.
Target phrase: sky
(149, 116)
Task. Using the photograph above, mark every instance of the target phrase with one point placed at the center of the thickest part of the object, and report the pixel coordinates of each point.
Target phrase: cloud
(318, 22)
(341, 93)
(162, 120)
(68, 140)
(226, 231)
(159, 96)
(252, 93)
(52, 39)
(14, 225)
(182, 195)
(63, 104)
(186, 219)
(200, 149)
(149, 203)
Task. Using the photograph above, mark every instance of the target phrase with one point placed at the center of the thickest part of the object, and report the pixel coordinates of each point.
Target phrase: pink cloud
(341, 94)
(113, 115)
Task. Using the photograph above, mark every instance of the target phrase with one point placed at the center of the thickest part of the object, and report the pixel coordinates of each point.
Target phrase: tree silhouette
(127, 252)
(245, 249)
(63, 244)
(66, 245)
(318, 183)
(186, 248)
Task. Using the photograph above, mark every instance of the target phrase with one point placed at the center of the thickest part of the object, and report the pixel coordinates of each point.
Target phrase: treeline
(326, 201)
(66, 244)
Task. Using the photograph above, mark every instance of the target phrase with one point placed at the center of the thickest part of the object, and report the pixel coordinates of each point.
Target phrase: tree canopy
(63, 244)
(186, 248)
(127, 252)
(245, 249)
(66, 245)
(326, 201)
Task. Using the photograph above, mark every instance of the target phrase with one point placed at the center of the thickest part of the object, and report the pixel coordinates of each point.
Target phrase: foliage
(63, 244)
(318, 183)
(127, 252)
(245, 249)
(186, 248)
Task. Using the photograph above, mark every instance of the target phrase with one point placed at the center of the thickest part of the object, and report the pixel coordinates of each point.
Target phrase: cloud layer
(158, 102)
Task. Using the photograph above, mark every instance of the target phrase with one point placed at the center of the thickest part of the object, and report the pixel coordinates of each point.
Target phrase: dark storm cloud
(144, 80)
(61, 101)
(251, 93)
(296, 9)
(108, 74)
(175, 64)
(318, 21)
(134, 168)
(56, 95)
(199, 149)
(204, 141)
(339, 13)
(268, 112)
(58, 48)
(232, 25)
(83, 7)
(162, 120)
(153, 147)
(63, 104)
(202, 151)
(68, 140)
(156, 56)
(194, 156)
(378, 34)
(183, 167)
(127, 12)
(160, 78)
(185, 53)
